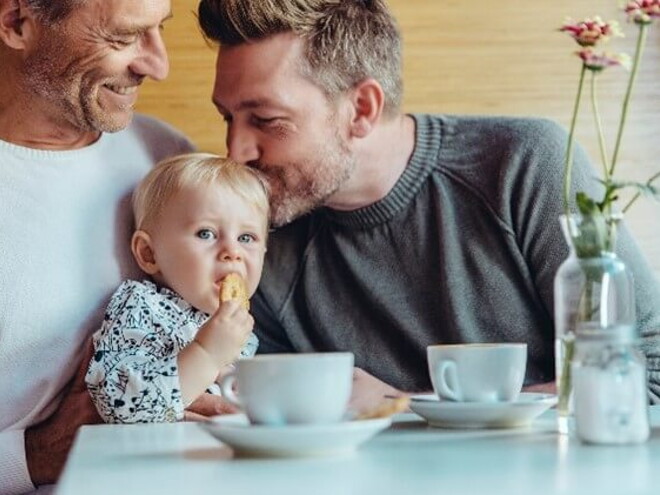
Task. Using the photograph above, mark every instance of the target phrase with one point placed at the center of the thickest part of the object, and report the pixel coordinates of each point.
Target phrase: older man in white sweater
(70, 155)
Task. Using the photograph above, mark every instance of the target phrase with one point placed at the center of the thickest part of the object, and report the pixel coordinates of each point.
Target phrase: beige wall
(487, 57)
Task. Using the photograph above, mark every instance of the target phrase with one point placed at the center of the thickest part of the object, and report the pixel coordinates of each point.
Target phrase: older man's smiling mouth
(122, 90)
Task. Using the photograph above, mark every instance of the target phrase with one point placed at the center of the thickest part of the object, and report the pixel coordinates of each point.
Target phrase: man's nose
(241, 145)
(152, 60)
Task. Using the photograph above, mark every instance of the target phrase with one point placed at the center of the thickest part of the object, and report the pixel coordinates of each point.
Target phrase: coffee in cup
(477, 372)
(306, 388)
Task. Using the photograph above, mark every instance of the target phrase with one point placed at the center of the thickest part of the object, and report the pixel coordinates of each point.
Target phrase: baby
(199, 218)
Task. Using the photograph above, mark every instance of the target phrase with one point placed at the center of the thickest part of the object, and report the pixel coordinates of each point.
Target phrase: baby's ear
(144, 253)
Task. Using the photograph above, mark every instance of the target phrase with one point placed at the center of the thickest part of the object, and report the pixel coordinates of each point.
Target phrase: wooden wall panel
(490, 57)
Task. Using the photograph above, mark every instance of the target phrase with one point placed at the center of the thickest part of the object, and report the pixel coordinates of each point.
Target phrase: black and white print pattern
(133, 376)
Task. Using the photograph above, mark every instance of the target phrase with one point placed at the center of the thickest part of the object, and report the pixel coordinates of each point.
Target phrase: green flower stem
(589, 310)
(568, 165)
(638, 194)
(565, 385)
(641, 39)
(599, 127)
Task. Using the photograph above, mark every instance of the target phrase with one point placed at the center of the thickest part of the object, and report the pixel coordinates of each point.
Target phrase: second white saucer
(447, 414)
(292, 440)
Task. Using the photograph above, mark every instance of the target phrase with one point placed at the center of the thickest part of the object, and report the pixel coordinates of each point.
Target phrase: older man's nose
(151, 60)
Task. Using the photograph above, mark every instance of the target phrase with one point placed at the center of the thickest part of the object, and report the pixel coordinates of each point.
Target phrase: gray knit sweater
(464, 248)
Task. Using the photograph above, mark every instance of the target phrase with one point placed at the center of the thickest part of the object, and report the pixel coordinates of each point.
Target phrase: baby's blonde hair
(195, 169)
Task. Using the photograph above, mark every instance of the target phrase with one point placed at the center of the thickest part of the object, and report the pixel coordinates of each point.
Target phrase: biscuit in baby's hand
(233, 289)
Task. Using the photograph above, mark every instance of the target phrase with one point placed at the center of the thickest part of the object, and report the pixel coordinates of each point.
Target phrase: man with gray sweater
(394, 231)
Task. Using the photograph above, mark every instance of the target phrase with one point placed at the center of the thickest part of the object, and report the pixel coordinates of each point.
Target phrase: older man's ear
(17, 26)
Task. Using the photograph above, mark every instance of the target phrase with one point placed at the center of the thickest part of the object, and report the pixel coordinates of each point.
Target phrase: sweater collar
(428, 137)
(23, 152)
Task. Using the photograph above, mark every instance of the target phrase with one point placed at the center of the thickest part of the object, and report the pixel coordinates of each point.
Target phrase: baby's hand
(226, 332)
(207, 405)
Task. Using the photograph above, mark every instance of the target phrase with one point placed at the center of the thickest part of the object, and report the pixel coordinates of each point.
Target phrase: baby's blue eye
(206, 234)
(246, 238)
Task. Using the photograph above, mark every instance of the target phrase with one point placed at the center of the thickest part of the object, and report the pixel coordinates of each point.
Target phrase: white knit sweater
(65, 225)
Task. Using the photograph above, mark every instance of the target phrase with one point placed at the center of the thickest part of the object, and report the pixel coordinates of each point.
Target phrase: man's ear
(144, 253)
(368, 100)
(17, 24)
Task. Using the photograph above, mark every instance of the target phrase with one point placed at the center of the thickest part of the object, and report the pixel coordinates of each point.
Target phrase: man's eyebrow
(248, 104)
(139, 28)
(257, 103)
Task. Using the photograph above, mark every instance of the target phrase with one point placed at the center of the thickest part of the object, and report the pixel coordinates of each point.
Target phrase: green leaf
(593, 235)
(644, 188)
(586, 205)
(610, 196)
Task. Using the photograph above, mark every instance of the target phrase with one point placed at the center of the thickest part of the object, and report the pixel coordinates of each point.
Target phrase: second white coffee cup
(477, 372)
(277, 389)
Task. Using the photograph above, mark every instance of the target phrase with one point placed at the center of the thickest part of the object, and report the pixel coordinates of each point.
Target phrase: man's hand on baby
(226, 332)
(47, 444)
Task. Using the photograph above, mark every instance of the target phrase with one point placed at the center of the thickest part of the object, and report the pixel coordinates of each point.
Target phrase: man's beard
(298, 188)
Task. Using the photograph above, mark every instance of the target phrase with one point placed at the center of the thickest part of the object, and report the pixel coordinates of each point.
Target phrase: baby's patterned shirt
(133, 375)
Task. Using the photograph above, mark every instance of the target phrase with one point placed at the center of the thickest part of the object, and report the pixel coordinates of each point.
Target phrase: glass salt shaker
(610, 383)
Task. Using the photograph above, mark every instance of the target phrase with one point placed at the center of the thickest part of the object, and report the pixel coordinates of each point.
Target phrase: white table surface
(408, 458)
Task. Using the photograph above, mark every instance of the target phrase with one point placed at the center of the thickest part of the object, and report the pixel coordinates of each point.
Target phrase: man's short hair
(51, 11)
(346, 41)
(173, 174)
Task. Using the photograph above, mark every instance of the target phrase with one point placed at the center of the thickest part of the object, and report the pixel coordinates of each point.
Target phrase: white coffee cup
(477, 372)
(276, 389)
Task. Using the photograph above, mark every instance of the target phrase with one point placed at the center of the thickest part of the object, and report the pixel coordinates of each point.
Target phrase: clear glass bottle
(593, 291)
(609, 386)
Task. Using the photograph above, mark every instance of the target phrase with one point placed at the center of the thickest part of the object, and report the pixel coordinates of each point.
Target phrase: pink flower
(592, 31)
(587, 34)
(599, 61)
(642, 11)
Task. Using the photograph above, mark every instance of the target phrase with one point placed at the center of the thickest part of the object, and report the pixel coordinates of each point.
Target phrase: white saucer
(292, 440)
(447, 414)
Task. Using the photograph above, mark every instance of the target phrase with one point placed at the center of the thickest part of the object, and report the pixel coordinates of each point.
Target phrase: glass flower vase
(593, 291)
